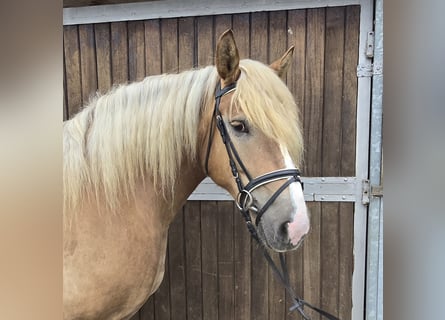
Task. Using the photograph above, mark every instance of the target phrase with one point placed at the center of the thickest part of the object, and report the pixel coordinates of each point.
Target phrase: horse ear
(281, 65)
(227, 57)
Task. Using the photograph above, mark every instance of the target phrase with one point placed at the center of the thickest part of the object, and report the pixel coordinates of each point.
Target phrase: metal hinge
(365, 191)
(369, 69)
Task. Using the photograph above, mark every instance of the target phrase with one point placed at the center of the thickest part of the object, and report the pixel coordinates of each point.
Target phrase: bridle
(246, 202)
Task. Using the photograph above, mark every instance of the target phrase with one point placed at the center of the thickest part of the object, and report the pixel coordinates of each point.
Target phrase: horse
(134, 155)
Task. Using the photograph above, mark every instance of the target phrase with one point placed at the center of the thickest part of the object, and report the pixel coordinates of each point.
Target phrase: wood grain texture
(153, 60)
(103, 56)
(72, 69)
(314, 81)
(193, 259)
(349, 102)
(186, 44)
(169, 45)
(225, 239)
(176, 260)
(119, 52)
(311, 260)
(87, 62)
(209, 251)
(205, 45)
(136, 50)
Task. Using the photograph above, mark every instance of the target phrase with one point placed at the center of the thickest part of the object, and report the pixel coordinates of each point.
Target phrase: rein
(245, 200)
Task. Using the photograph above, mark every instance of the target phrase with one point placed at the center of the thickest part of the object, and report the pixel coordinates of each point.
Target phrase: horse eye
(239, 126)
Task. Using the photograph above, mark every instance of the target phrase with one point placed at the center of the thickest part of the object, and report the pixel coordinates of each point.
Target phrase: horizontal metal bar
(191, 8)
(335, 189)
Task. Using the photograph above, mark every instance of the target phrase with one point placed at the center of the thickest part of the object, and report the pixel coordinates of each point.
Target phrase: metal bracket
(365, 192)
(324, 189)
(370, 45)
(377, 191)
(370, 191)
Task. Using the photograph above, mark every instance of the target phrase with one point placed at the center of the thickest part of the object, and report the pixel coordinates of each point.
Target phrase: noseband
(246, 202)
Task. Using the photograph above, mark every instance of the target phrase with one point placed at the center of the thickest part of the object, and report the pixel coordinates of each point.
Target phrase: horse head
(259, 144)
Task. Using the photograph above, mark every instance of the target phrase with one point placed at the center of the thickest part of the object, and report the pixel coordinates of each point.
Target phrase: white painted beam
(190, 8)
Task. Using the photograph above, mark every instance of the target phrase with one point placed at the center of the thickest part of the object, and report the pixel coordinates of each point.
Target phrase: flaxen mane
(152, 125)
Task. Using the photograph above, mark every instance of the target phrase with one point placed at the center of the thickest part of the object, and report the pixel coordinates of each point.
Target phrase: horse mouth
(277, 240)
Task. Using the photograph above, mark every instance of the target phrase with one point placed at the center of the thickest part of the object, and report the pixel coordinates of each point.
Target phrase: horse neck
(190, 174)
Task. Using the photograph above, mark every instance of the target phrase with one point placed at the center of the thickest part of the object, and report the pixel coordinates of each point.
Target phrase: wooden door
(213, 269)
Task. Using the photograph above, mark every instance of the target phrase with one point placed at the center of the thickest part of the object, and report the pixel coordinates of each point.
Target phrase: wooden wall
(213, 270)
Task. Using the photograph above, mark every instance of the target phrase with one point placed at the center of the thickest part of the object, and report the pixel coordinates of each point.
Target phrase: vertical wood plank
(152, 47)
(333, 86)
(312, 125)
(226, 310)
(242, 245)
(119, 53)
(296, 29)
(87, 62)
(346, 259)
(136, 50)
(162, 296)
(311, 260)
(103, 56)
(186, 46)
(205, 46)
(349, 102)
(176, 260)
(277, 35)
(209, 251)
(330, 256)
(242, 261)
(331, 163)
(192, 212)
(72, 67)
(296, 35)
(222, 23)
(349, 113)
(241, 27)
(169, 44)
(313, 110)
(260, 289)
(276, 48)
(65, 98)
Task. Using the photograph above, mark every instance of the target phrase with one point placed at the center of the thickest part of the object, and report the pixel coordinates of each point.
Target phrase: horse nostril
(284, 228)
